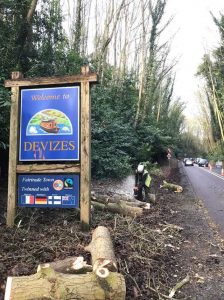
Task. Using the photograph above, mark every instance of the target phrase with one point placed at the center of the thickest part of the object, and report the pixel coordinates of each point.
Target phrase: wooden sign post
(83, 162)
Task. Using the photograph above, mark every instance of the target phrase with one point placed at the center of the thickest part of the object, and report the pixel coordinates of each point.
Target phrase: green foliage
(39, 50)
(4, 116)
(212, 71)
(117, 146)
(152, 143)
(112, 133)
(42, 49)
(52, 53)
(217, 153)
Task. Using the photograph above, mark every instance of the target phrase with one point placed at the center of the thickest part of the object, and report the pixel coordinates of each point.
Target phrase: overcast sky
(196, 34)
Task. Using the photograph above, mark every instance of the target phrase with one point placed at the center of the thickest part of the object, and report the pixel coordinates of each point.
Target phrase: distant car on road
(197, 160)
(188, 162)
(218, 164)
(203, 162)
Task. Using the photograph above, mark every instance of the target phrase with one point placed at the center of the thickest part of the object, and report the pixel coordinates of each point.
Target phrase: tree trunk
(122, 209)
(78, 26)
(48, 284)
(24, 30)
(71, 265)
(31, 11)
(142, 68)
(112, 18)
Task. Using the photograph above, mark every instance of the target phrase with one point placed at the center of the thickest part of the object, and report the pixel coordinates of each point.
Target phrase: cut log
(173, 187)
(102, 253)
(49, 284)
(71, 265)
(122, 209)
(106, 199)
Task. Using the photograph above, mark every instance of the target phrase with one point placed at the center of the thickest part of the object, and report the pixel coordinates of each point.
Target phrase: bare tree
(205, 120)
(77, 26)
(153, 67)
(142, 71)
(112, 17)
(134, 29)
(31, 11)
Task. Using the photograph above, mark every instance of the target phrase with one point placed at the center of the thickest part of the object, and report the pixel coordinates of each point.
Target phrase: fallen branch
(171, 226)
(160, 294)
(178, 286)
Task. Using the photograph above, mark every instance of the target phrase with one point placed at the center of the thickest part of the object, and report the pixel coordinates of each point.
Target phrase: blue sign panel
(49, 124)
(48, 190)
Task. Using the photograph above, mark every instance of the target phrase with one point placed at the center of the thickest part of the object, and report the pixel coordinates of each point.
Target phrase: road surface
(209, 187)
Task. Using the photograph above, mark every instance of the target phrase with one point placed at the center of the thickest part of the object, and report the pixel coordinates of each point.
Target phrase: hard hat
(140, 168)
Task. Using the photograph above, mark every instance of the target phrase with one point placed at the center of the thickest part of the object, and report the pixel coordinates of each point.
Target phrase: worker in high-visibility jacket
(142, 183)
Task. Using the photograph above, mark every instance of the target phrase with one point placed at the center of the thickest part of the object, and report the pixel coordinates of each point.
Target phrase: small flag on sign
(27, 199)
(41, 200)
(54, 200)
(68, 200)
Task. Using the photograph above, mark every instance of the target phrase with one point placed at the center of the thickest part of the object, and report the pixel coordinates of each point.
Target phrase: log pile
(121, 204)
(73, 278)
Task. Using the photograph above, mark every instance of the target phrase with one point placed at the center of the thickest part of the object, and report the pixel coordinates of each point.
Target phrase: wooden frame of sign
(17, 81)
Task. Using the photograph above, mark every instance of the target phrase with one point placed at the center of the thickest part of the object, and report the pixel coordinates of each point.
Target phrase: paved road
(209, 187)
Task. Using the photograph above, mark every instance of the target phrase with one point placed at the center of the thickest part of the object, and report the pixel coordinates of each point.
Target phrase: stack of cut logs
(121, 204)
(73, 278)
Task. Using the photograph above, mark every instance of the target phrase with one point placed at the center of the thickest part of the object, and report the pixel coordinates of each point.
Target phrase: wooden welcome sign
(49, 151)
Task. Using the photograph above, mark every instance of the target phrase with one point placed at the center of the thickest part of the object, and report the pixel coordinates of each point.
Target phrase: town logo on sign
(49, 121)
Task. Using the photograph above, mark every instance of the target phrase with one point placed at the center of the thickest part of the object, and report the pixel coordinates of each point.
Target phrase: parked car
(218, 164)
(197, 160)
(188, 162)
(203, 162)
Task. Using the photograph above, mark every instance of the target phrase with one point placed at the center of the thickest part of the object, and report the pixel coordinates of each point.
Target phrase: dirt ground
(172, 241)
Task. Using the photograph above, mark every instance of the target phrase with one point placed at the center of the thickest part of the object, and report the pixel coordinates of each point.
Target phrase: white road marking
(212, 173)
